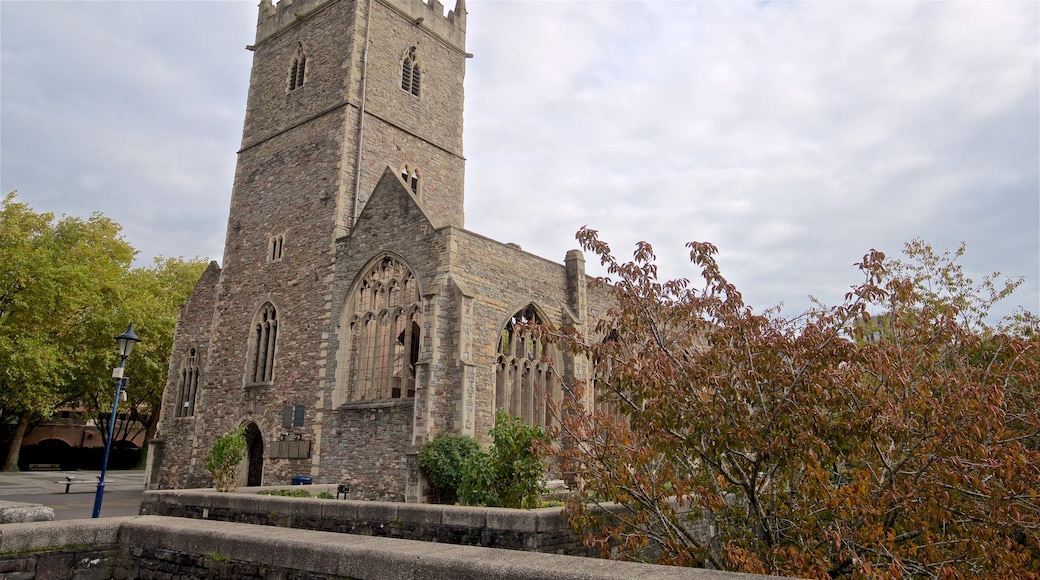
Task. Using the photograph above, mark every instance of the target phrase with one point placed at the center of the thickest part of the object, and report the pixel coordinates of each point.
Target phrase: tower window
(411, 74)
(298, 70)
(410, 176)
(275, 244)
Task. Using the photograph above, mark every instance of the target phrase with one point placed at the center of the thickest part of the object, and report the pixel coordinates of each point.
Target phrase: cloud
(794, 136)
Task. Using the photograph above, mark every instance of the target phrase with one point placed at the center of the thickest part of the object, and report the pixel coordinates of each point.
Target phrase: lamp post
(126, 342)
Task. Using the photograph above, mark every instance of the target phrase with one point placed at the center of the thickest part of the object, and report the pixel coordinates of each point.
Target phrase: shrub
(222, 461)
(509, 473)
(441, 460)
(324, 495)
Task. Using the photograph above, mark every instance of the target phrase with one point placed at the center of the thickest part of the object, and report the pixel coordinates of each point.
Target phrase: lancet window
(298, 68)
(262, 345)
(275, 245)
(380, 339)
(411, 74)
(526, 376)
(189, 384)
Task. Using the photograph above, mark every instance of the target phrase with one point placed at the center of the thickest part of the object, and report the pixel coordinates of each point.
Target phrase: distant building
(878, 328)
(354, 317)
(71, 440)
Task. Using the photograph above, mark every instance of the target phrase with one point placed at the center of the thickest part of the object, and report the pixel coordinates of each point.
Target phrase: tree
(155, 294)
(66, 289)
(60, 284)
(760, 443)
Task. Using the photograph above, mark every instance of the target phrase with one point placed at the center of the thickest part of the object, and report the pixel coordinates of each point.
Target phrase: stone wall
(149, 547)
(540, 530)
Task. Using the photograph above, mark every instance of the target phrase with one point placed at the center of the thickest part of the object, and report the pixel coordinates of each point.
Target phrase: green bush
(509, 473)
(222, 461)
(441, 460)
(324, 495)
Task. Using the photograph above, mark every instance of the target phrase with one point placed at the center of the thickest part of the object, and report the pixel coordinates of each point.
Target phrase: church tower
(340, 91)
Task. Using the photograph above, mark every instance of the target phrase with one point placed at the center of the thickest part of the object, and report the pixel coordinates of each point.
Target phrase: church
(355, 317)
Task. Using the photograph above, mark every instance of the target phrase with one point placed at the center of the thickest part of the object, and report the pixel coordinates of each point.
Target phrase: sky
(795, 136)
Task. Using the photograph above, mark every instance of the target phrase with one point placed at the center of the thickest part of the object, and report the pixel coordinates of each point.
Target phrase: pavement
(123, 492)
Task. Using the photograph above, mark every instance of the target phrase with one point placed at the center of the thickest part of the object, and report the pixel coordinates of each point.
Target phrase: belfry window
(261, 345)
(379, 339)
(411, 177)
(275, 245)
(189, 384)
(298, 69)
(411, 74)
(526, 377)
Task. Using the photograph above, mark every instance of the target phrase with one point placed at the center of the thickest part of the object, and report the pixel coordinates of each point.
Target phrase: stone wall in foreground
(153, 547)
(539, 530)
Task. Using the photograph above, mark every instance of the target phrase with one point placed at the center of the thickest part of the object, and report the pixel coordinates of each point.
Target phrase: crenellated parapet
(430, 14)
(274, 16)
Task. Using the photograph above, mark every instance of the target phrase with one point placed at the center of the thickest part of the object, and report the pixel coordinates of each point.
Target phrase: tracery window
(525, 372)
(411, 74)
(410, 176)
(298, 68)
(380, 338)
(262, 345)
(189, 384)
(606, 400)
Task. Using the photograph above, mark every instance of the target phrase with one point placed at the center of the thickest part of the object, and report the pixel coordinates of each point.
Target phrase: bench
(70, 481)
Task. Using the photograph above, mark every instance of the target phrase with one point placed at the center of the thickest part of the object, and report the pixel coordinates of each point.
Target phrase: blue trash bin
(301, 480)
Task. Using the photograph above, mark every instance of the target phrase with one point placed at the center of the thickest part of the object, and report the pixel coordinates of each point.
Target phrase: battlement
(274, 17)
(430, 14)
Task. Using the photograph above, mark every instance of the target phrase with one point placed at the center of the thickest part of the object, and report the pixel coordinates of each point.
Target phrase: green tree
(66, 289)
(761, 443)
(152, 304)
(60, 288)
(509, 474)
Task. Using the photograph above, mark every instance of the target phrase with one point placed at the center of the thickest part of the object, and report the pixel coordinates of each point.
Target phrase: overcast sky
(794, 136)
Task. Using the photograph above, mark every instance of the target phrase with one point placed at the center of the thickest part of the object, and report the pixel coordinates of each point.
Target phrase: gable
(391, 202)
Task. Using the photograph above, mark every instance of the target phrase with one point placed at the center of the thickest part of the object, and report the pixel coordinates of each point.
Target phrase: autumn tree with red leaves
(824, 445)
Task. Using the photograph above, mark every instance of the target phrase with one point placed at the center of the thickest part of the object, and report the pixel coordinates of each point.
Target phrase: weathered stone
(284, 337)
(14, 512)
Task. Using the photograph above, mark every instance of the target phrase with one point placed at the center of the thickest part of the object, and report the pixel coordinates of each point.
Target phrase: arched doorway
(255, 459)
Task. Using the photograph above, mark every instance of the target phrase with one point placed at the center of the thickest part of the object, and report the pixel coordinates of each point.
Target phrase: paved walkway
(123, 492)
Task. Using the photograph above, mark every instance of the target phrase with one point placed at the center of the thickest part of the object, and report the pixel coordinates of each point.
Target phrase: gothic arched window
(189, 384)
(298, 68)
(411, 74)
(262, 345)
(605, 399)
(525, 376)
(379, 338)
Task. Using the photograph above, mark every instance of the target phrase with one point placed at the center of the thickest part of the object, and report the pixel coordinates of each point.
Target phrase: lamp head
(127, 341)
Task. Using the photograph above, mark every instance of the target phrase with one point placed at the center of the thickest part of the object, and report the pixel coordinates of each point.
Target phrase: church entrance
(255, 445)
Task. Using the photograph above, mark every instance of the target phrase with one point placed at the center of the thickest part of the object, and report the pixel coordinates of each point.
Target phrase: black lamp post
(126, 342)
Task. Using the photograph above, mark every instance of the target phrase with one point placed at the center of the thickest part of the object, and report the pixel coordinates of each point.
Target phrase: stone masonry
(354, 317)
